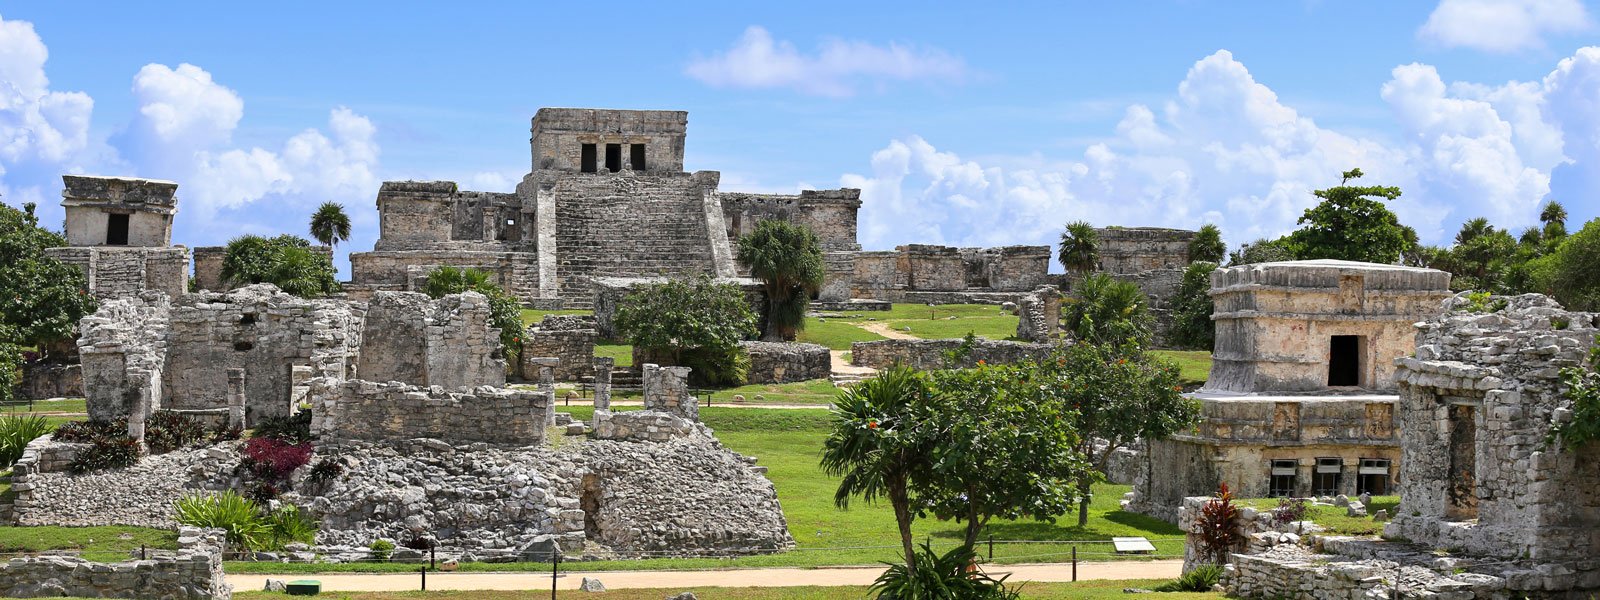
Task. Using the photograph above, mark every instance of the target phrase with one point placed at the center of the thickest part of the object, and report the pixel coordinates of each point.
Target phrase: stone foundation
(569, 339)
(773, 362)
(365, 410)
(930, 354)
(117, 272)
(192, 573)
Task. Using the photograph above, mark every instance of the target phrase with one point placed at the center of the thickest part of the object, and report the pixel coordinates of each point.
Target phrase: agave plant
(947, 576)
(15, 433)
(238, 516)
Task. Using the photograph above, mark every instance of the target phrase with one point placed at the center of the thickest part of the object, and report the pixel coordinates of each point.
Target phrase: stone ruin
(1039, 315)
(932, 274)
(931, 354)
(1299, 402)
(119, 231)
(449, 342)
(194, 572)
(775, 362)
(569, 339)
(1152, 258)
(606, 197)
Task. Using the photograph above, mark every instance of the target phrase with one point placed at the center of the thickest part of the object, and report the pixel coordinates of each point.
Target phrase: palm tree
(788, 261)
(1103, 310)
(876, 448)
(1080, 247)
(1554, 217)
(330, 225)
(1207, 245)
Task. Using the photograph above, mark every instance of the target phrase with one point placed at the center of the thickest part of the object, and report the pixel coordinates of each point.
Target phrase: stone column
(602, 382)
(667, 389)
(547, 384)
(140, 381)
(236, 398)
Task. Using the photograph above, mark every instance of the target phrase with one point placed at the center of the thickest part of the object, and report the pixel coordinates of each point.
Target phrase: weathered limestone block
(192, 573)
(930, 354)
(563, 337)
(1130, 250)
(448, 342)
(366, 410)
(1039, 315)
(774, 362)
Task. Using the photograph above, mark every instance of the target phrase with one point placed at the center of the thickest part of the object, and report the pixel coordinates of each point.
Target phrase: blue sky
(970, 124)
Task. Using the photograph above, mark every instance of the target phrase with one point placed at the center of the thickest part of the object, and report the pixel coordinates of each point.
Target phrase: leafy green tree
(1480, 254)
(1115, 394)
(10, 370)
(876, 445)
(696, 323)
(1351, 223)
(505, 313)
(1207, 245)
(788, 260)
(1569, 272)
(286, 261)
(1554, 218)
(330, 225)
(1000, 451)
(1080, 247)
(43, 298)
(1192, 326)
(1102, 309)
(1261, 251)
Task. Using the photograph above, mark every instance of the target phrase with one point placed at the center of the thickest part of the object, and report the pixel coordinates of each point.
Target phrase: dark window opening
(244, 346)
(589, 503)
(613, 157)
(1281, 482)
(1462, 493)
(587, 163)
(1344, 361)
(636, 156)
(247, 319)
(1373, 477)
(1330, 474)
(117, 230)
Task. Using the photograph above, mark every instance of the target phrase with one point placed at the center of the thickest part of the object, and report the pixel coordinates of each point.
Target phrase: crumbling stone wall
(669, 411)
(1277, 322)
(930, 354)
(50, 380)
(1132, 250)
(366, 410)
(450, 342)
(774, 362)
(830, 214)
(936, 274)
(567, 338)
(115, 272)
(192, 573)
(1039, 315)
(148, 353)
(1492, 377)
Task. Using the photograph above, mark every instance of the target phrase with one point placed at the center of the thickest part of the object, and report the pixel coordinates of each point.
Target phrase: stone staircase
(628, 226)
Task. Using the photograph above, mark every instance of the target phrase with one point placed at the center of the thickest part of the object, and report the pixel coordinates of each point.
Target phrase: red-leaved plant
(1218, 526)
(273, 459)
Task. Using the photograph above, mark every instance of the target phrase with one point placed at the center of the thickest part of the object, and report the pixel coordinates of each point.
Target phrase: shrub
(15, 433)
(238, 516)
(294, 429)
(285, 261)
(224, 432)
(166, 431)
(106, 452)
(324, 471)
(381, 549)
(1218, 526)
(84, 432)
(1199, 579)
(696, 322)
(1583, 390)
(273, 459)
(1105, 310)
(1289, 510)
(941, 576)
(289, 525)
(1192, 326)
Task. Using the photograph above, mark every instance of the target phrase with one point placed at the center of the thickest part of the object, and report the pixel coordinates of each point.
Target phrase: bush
(290, 525)
(238, 516)
(1218, 526)
(939, 577)
(1105, 310)
(285, 261)
(106, 452)
(1199, 579)
(324, 471)
(1289, 510)
(273, 459)
(505, 313)
(166, 431)
(1583, 390)
(381, 549)
(15, 433)
(696, 323)
(85, 432)
(1192, 327)
(294, 429)
(11, 361)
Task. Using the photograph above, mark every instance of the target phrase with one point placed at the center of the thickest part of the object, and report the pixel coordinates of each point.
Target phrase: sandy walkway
(831, 576)
(884, 330)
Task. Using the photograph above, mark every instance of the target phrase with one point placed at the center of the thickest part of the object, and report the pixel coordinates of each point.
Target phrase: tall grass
(15, 433)
(248, 527)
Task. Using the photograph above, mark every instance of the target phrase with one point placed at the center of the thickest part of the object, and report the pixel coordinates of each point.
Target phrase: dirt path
(843, 367)
(830, 576)
(884, 330)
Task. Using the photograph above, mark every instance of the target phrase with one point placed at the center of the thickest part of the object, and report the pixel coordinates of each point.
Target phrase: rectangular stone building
(119, 231)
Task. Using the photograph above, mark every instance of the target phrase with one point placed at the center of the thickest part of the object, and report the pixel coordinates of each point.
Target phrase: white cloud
(838, 68)
(1502, 25)
(36, 123)
(1225, 149)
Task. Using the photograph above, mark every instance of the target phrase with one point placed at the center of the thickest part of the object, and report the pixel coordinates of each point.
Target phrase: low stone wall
(644, 426)
(574, 347)
(365, 410)
(1039, 315)
(773, 362)
(49, 380)
(193, 573)
(930, 354)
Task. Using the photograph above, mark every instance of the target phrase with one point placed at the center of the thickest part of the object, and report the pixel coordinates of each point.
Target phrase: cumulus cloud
(1226, 150)
(37, 124)
(838, 68)
(1502, 25)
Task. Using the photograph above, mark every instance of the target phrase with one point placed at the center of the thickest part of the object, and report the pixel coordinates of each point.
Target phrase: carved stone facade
(935, 274)
(606, 197)
(119, 231)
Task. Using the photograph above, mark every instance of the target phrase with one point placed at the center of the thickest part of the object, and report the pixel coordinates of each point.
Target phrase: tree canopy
(1080, 247)
(1261, 251)
(286, 261)
(330, 225)
(1192, 326)
(788, 260)
(1207, 245)
(1351, 223)
(696, 323)
(43, 297)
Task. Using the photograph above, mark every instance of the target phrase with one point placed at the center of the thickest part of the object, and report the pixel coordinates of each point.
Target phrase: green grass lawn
(622, 354)
(531, 316)
(1194, 365)
(835, 333)
(817, 391)
(1083, 590)
(994, 327)
(68, 405)
(1334, 517)
(95, 543)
